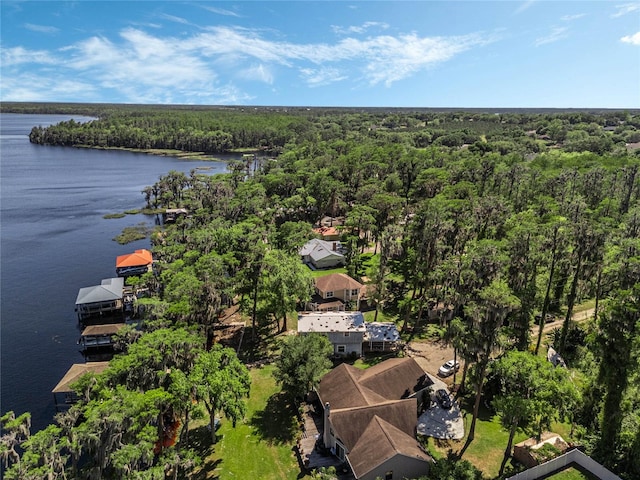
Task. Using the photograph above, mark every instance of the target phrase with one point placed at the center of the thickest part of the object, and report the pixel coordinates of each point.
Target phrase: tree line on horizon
(479, 223)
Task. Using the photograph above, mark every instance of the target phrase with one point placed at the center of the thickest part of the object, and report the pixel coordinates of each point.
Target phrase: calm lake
(53, 241)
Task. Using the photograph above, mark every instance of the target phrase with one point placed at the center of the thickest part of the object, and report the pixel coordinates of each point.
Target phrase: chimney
(335, 246)
(326, 435)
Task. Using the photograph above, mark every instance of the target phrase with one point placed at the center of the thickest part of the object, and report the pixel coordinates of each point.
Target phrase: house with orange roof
(328, 233)
(136, 263)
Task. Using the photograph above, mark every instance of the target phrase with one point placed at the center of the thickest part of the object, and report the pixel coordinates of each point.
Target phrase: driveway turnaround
(438, 422)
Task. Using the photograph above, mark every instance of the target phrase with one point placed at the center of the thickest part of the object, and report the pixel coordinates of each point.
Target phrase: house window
(329, 295)
(339, 451)
(346, 334)
(354, 292)
(342, 349)
(388, 475)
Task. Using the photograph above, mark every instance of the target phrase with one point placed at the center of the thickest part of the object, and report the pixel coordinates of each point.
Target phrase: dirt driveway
(431, 355)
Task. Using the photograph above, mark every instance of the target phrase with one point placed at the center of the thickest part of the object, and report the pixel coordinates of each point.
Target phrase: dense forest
(479, 223)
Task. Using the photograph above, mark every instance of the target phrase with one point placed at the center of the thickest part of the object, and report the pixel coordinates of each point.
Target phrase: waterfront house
(322, 254)
(345, 330)
(101, 300)
(370, 418)
(333, 291)
(63, 395)
(136, 263)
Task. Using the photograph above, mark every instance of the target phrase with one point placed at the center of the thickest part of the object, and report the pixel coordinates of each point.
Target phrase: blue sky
(564, 54)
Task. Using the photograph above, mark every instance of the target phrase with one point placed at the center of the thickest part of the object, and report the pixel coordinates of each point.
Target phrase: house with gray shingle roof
(322, 253)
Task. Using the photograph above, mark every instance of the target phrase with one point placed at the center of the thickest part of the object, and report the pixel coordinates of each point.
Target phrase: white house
(345, 330)
(322, 254)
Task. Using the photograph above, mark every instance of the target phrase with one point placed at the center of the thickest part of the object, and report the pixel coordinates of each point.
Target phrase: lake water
(53, 241)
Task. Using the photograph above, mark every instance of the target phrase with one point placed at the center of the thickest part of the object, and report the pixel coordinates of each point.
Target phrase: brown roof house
(63, 394)
(370, 418)
(333, 291)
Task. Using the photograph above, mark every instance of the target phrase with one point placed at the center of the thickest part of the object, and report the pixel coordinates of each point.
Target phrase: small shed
(136, 263)
(63, 395)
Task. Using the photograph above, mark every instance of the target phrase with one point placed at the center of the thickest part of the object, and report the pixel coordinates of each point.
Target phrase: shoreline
(180, 154)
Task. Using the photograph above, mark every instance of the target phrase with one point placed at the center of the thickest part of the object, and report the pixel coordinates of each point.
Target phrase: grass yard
(324, 273)
(571, 473)
(490, 440)
(261, 446)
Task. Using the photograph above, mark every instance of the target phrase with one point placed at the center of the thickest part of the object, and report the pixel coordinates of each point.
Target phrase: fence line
(564, 461)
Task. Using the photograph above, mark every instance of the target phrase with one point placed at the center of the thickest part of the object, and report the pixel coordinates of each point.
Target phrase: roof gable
(340, 388)
(350, 423)
(337, 281)
(379, 442)
(75, 372)
(396, 378)
(110, 289)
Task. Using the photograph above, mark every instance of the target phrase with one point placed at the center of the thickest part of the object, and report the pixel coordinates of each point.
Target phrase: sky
(474, 54)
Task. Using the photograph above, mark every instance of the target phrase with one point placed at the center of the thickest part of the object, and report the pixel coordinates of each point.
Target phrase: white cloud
(322, 76)
(149, 68)
(41, 28)
(173, 18)
(556, 34)
(625, 9)
(260, 73)
(570, 18)
(19, 55)
(44, 88)
(220, 11)
(524, 6)
(358, 29)
(632, 39)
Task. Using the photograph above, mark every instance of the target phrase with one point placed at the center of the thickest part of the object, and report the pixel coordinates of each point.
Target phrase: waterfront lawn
(262, 445)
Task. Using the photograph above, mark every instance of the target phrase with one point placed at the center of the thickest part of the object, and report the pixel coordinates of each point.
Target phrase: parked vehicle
(448, 368)
(443, 398)
(549, 318)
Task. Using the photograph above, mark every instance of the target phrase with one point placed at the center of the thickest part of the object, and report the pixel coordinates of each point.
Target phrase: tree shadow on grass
(200, 441)
(466, 405)
(277, 423)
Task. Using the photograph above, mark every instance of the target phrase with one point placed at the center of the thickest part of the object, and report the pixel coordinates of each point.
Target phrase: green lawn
(261, 446)
(323, 273)
(571, 473)
(489, 442)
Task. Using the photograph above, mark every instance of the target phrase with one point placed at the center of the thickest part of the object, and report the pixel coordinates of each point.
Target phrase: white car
(448, 368)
